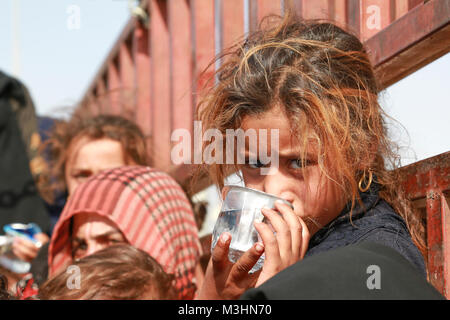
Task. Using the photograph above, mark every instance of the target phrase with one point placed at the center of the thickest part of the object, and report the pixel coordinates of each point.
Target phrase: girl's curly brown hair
(118, 272)
(321, 77)
(65, 133)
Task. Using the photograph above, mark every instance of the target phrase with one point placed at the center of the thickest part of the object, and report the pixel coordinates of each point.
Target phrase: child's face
(91, 233)
(316, 198)
(89, 157)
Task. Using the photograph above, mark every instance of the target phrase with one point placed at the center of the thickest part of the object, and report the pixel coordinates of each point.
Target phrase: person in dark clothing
(20, 201)
(376, 221)
(363, 271)
(310, 89)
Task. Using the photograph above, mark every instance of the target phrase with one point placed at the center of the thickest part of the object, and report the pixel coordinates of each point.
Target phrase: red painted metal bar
(429, 179)
(127, 79)
(141, 57)
(353, 17)
(253, 16)
(418, 178)
(445, 213)
(414, 3)
(203, 44)
(203, 49)
(101, 95)
(260, 8)
(161, 85)
(401, 8)
(268, 7)
(295, 5)
(232, 22)
(319, 9)
(91, 105)
(181, 70)
(114, 87)
(436, 257)
(340, 13)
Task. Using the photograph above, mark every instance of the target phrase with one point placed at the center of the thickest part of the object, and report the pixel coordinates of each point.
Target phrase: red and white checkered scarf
(149, 208)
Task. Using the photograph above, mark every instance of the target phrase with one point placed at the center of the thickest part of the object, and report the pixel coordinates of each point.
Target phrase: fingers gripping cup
(240, 209)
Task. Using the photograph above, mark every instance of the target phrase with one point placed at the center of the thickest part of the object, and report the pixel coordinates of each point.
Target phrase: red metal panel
(180, 32)
(332, 10)
(127, 80)
(401, 8)
(161, 99)
(295, 5)
(114, 88)
(375, 15)
(318, 9)
(436, 256)
(101, 96)
(143, 86)
(266, 8)
(232, 22)
(353, 21)
(92, 104)
(253, 16)
(260, 9)
(445, 211)
(340, 13)
(414, 3)
(203, 43)
(430, 179)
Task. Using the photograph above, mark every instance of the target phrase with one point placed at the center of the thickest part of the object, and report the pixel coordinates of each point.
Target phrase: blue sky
(57, 63)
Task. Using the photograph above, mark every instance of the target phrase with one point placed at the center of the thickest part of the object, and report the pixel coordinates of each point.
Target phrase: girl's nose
(273, 182)
(92, 248)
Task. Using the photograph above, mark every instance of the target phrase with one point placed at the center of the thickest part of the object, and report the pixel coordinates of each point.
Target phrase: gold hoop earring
(363, 179)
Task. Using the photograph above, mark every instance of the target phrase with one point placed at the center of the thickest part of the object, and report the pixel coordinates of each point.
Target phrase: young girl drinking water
(314, 83)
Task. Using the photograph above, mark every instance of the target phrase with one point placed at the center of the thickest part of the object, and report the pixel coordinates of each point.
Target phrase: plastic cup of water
(241, 207)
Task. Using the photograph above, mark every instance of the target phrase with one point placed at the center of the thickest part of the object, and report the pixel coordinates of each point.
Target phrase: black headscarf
(19, 198)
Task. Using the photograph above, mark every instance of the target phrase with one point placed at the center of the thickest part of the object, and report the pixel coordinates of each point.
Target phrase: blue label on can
(22, 230)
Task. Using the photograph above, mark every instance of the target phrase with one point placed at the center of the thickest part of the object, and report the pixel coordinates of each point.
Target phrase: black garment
(375, 222)
(19, 198)
(39, 265)
(364, 271)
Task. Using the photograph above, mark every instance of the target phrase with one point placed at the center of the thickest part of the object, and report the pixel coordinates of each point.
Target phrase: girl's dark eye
(299, 163)
(254, 164)
(79, 248)
(114, 241)
(82, 176)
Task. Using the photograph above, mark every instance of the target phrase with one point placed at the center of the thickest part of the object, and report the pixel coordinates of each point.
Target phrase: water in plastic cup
(240, 209)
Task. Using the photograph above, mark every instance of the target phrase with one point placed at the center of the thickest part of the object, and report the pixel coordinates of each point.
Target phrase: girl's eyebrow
(296, 155)
(287, 154)
(98, 236)
(78, 170)
(107, 234)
